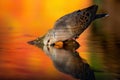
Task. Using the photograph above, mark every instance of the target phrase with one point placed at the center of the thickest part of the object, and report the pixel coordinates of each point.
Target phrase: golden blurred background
(25, 20)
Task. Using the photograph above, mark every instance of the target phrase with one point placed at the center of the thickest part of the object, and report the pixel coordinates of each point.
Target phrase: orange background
(33, 18)
(37, 16)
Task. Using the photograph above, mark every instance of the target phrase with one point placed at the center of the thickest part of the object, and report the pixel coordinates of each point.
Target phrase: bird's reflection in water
(68, 61)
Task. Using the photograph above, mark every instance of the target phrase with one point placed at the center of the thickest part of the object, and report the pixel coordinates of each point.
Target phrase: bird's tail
(97, 16)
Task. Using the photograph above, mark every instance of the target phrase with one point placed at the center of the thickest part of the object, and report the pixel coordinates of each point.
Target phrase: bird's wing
(77, 21)
(64, 21)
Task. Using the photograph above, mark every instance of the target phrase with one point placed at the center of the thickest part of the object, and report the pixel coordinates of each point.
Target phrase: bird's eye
(48, 40)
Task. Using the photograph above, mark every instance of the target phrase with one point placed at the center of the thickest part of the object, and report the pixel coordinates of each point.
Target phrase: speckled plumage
(71, 25)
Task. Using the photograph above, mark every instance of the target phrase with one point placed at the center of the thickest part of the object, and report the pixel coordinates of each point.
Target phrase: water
(22, 61)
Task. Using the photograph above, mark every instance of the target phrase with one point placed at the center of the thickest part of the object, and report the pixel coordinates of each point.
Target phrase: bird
(70, 26)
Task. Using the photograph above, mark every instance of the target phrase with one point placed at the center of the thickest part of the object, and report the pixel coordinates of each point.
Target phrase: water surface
(98, 60)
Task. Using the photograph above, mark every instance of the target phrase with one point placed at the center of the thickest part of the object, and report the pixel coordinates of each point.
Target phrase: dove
(70, 26)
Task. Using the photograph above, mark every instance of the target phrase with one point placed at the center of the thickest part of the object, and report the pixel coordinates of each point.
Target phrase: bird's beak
(31, 42)
(36, 41)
